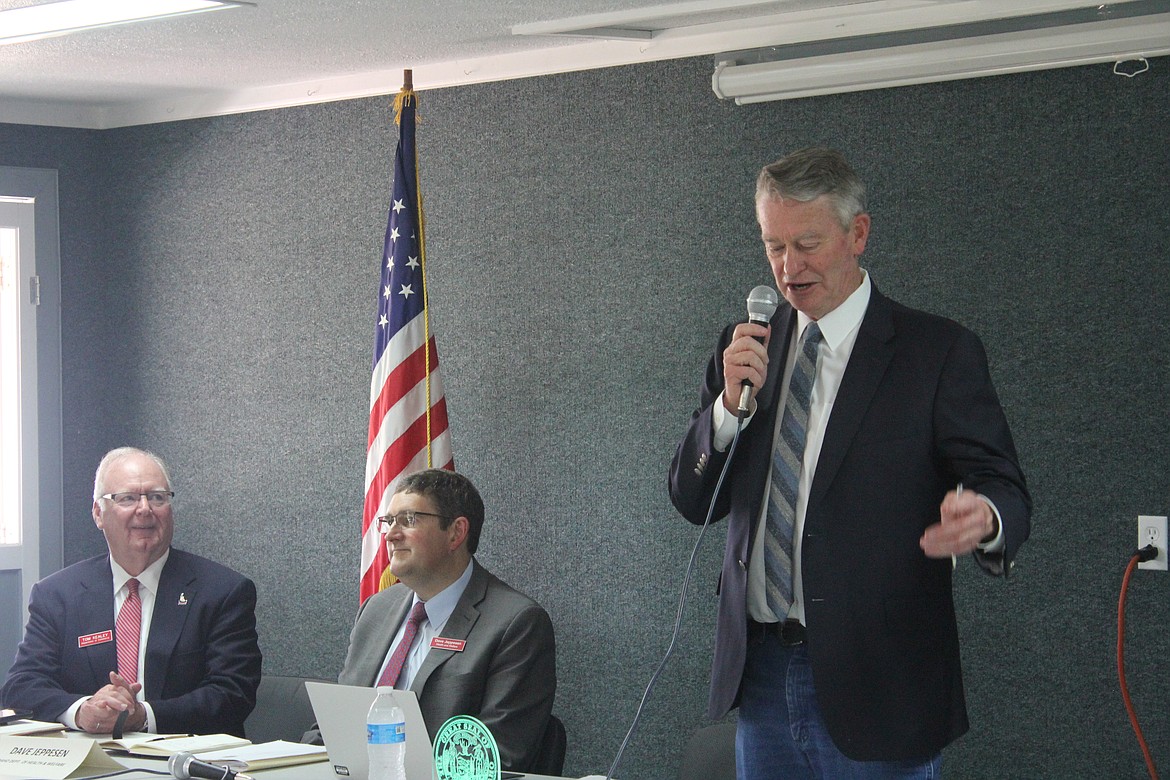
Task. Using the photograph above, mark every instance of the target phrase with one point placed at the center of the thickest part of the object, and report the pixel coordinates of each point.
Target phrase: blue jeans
(781, 734)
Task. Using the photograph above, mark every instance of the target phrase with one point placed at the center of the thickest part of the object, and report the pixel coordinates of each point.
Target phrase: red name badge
(445, 643)
(100, 637)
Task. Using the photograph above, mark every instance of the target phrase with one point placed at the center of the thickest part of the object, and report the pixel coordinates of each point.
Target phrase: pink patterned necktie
(398, 660)
(127, 629)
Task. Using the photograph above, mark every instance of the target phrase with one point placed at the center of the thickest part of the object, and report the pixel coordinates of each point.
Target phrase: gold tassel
(404, 95)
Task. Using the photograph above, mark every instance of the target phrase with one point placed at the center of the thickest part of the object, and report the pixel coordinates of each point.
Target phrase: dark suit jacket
(505, 676)
(202, 657)
(916, 414)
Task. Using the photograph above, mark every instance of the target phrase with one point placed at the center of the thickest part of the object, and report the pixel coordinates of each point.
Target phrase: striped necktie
(127, 632)
(787, 459)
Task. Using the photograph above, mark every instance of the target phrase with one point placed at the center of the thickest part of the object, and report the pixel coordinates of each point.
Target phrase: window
(16, 217)
(30, 394)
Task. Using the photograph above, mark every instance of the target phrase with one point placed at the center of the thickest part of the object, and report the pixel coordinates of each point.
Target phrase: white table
(319, 770)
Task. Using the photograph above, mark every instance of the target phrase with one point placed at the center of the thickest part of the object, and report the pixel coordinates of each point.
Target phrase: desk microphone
(761, 305)
(184, 766)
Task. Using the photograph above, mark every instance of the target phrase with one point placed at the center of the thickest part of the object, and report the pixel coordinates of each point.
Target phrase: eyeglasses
(407, 519)
(156, 498)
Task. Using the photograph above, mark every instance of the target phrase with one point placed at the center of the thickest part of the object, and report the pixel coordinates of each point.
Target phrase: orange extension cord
(1133, 562)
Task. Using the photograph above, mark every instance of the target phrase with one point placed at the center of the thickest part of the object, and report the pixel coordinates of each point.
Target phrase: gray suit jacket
(505, 675)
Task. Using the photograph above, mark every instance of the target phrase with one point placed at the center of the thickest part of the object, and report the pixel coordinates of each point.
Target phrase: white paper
(23, 728)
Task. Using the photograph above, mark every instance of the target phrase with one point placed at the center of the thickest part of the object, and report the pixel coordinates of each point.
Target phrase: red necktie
(127, 629)
(398, 660)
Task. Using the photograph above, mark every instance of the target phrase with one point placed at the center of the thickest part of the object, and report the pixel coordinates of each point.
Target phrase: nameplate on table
(53, 758)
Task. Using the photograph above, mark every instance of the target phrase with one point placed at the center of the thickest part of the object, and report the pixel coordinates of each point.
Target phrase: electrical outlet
(1152, 530)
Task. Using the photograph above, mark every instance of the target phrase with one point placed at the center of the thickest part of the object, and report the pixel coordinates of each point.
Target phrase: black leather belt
(790, 632)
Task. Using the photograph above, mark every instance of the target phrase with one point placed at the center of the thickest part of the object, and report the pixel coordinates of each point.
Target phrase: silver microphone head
(762, 303)
(177, 765)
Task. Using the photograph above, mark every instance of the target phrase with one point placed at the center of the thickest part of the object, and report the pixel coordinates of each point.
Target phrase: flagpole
(408, 93)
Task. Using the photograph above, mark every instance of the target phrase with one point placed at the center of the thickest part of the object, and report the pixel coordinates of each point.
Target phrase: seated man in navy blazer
(476, 647)
(165, 636)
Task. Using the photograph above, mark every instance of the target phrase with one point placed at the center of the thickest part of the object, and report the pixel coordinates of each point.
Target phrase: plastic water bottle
(386, 737)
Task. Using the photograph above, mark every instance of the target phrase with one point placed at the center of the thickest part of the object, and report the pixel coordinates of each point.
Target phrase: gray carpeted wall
(588, 235)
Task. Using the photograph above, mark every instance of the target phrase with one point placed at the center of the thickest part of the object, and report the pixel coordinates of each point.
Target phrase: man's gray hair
(810, 173)
(114, 455)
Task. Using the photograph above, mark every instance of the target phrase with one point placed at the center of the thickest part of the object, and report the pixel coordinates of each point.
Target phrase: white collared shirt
(439, 608)
(839, 329)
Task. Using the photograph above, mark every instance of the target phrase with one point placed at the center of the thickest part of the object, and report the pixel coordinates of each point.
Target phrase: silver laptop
(341, 712)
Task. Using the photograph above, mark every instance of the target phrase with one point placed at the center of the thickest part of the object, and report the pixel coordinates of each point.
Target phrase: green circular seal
(466, 750)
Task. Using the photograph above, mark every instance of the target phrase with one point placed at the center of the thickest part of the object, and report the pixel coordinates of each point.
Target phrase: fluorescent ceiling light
(33, 22)
(645, 23)
(853, 69)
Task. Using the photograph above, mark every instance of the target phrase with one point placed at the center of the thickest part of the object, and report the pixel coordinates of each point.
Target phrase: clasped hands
(99, 713)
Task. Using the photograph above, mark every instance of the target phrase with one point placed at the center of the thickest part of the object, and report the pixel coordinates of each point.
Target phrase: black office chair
(283, 710)
(710, 754)
(553, 744)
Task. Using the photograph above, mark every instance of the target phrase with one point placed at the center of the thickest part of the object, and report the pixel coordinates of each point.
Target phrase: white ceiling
(288, 52)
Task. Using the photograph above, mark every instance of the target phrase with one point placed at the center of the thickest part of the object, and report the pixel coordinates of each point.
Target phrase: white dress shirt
(839, 329)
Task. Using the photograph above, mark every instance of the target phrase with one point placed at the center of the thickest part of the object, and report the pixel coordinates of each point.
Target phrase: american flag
(408, 412)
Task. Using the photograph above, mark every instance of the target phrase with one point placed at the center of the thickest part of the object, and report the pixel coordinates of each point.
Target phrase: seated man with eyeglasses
(462, 640)
(163, 638)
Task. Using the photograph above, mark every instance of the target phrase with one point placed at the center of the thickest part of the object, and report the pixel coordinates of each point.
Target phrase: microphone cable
(1147, 553)
(682, 598)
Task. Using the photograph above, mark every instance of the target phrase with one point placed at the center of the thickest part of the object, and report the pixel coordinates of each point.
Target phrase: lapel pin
(182, 599)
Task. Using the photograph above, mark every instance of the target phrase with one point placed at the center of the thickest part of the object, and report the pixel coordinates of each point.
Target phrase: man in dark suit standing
(873, 450)
(475, 645)
(167, 637)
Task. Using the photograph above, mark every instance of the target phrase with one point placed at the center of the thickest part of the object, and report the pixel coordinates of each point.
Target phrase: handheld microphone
(184, 766)
(761, 305)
